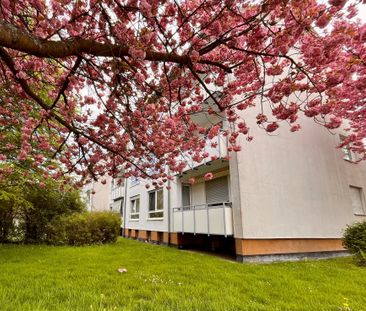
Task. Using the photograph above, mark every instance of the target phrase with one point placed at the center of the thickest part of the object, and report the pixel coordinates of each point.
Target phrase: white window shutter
(217, 190)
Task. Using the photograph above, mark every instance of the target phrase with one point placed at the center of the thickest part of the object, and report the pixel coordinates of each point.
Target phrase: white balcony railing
(212, 218)
(218, 151)
(117, 192)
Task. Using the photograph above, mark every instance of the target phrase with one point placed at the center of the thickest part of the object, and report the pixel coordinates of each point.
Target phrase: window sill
(350, 161)
(360, 215)
(156, 218)
(134, 220)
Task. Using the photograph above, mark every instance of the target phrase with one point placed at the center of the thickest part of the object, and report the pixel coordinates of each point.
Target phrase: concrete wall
(294, 185)
(287, 185)
(100, 200)
(144, 222)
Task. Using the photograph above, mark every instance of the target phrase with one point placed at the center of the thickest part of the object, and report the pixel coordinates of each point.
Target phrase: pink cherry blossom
(208, 176)
(144, 87)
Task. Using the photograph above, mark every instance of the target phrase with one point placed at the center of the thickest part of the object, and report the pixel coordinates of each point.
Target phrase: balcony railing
(219, 151)
(209, 218)
(117, 192)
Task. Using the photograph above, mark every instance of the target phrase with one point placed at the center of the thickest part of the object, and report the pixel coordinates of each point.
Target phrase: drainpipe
(124, 208)
(169, 182)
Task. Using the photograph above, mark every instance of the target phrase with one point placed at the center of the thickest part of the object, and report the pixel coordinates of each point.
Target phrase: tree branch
(17, 39)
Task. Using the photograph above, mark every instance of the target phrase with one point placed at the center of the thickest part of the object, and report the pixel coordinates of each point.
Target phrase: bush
(104, 227)
(12, 209)
(29, 201)
(48, 202)
(354, 240)
(84, 229)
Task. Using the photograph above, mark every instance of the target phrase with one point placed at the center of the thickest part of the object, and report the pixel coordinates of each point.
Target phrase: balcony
(219, 152)
(210, 219)
(117, 192)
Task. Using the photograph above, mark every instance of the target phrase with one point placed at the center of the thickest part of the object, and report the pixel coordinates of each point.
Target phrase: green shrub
(354, 240)
(12, 209)
(28, 202)
(84, 229)
(48, 202)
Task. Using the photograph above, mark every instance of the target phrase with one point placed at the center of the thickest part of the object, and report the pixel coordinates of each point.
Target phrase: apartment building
(284, 196)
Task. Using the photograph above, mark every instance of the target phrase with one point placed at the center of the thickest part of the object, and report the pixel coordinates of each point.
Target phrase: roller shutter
(217, 190)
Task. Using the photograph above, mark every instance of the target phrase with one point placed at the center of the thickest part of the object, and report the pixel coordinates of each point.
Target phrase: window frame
(133, 214)
(189, 186)
(155, 214)
(134, 181)
(118, 182)
(88, 194)
(362, 200)
(348, 155)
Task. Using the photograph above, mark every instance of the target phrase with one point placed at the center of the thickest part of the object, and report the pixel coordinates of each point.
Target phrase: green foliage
(84, 229)
(48, 202)
(29, 203)
(354, 240)
(104, 226)
(12, 210)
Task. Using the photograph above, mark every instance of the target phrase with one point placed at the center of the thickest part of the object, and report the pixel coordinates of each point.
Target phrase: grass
(162, 278)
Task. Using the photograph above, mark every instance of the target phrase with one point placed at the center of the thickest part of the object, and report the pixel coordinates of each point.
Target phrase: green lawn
(163, 278)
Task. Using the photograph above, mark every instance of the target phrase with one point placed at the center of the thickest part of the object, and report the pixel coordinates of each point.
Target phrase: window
(135, 208)
(358, 200)
(186, 195)
(156, 204)
(118, 182)
(134, 181)
(217, 191)
(347, 153)
(88, 199)
(117, 206)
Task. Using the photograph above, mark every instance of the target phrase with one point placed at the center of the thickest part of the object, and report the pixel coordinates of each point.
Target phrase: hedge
(354, 240)
(84, 229)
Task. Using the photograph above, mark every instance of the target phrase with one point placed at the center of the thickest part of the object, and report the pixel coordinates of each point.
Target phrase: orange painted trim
(165, 237)
(132, 233)
(142, 234)
(248, 247)
(174, 239)
(154, 236)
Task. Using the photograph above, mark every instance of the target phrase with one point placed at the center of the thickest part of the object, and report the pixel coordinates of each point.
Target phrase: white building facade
(283, 196)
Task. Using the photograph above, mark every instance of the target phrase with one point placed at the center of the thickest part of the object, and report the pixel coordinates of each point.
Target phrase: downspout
(124, 209)
(169, 189)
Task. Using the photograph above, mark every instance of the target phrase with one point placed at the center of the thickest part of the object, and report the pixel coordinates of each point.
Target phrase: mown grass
(162, 278)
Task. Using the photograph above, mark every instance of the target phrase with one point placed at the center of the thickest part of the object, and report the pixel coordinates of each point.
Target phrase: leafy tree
(48, 203)
(135, 72)
(28, 202)
(21, 145)
(12, 210)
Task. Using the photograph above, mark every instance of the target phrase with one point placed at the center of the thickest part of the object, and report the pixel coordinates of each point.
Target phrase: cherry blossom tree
(118, 82)
(36, 157)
